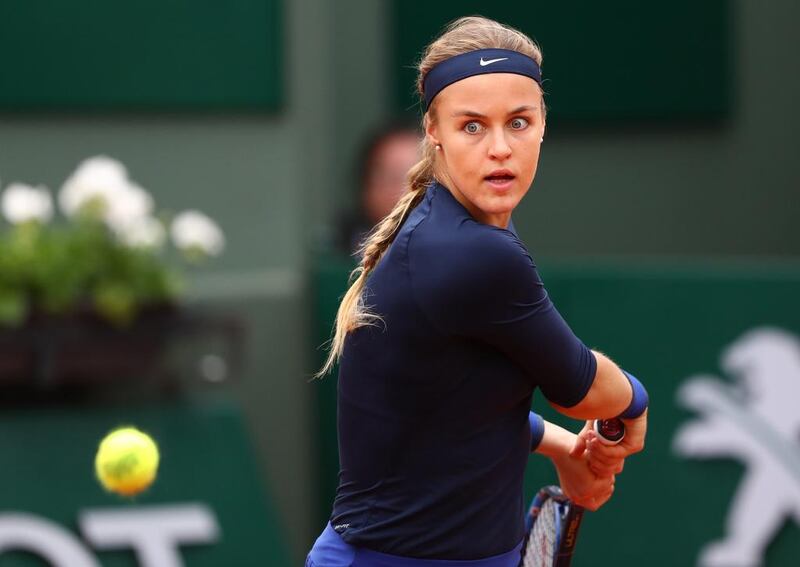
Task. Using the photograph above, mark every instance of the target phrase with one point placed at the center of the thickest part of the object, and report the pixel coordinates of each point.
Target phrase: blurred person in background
(447, 331)
(383, 162)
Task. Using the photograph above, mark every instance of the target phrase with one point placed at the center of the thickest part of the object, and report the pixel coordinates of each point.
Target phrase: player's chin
(500, 204)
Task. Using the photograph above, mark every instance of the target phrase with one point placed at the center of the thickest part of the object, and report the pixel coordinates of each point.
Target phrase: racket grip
(609, 431)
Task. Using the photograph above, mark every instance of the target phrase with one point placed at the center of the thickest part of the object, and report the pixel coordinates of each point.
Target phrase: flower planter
(52, 355)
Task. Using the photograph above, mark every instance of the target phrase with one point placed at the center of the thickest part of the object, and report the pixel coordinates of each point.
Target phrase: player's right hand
(607, 460)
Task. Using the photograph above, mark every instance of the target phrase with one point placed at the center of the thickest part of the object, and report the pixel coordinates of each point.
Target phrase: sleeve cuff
(639, 401)
(537, 430)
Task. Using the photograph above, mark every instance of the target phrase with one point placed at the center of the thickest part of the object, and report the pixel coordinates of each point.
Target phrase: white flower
(131, 205)
(22, 203)
(103, 182)
(98, 178)
(143, 232)
(194, 230)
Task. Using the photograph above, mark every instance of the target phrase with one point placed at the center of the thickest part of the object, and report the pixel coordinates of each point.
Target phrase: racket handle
(609, 431)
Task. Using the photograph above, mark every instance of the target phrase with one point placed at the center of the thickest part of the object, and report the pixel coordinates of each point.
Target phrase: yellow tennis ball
(126, 461)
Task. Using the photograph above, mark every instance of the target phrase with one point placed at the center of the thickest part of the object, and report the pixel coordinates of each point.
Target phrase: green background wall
(275, 179)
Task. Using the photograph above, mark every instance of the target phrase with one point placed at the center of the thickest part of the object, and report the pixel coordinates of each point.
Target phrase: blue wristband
(537, 429)
(638, 402)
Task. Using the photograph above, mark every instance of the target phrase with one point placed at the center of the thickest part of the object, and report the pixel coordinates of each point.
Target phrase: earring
(438, 146)
(542, 140)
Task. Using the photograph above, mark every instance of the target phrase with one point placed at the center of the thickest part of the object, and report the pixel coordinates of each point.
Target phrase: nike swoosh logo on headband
(490, 61)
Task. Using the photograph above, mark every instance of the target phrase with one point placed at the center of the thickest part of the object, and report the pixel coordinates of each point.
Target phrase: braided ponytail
(352, 312)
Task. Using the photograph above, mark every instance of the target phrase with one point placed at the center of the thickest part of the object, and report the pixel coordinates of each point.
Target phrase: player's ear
(431, 130)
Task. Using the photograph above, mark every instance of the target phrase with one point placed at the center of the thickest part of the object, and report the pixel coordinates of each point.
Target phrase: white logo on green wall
(154, 533)
(754, 419)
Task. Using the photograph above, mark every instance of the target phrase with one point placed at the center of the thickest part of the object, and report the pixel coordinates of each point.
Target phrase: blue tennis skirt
(330, 550)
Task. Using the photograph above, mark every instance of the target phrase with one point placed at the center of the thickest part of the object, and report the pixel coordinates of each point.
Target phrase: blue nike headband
(477, 62)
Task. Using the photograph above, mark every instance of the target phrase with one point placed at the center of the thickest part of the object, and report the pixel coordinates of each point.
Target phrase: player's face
(490, 129)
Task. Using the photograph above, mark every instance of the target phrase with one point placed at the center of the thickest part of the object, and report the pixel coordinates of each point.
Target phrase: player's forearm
(609, 395)
(556, 442)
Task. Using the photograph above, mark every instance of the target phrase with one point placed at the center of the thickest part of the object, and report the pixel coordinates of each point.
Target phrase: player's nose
(499, 148)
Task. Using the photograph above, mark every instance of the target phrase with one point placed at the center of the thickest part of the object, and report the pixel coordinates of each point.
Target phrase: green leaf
(13, 307)
(115, 301)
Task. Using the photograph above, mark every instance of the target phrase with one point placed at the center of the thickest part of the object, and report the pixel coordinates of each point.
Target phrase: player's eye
(519, 123)
(472, 127)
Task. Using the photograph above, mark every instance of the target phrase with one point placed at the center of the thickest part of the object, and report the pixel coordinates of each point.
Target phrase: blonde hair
(460, 36)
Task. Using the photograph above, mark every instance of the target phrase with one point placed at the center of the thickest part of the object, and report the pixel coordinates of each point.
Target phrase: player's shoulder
(469, 250)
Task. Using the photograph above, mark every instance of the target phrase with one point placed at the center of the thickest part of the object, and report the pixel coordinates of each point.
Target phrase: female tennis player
(447, 331)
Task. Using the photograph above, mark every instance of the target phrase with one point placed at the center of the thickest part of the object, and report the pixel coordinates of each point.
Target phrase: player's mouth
(500, 179)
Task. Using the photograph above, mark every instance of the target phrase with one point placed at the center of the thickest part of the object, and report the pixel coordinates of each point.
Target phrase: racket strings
(542, 544)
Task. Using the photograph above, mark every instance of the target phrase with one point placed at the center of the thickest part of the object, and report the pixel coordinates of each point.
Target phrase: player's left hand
(580, 484)
(604, 460)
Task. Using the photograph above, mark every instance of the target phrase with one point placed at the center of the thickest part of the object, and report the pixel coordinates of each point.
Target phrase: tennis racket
(553, 520)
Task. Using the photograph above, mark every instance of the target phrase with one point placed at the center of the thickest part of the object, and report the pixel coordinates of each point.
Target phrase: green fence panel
(47, 474)
(716, 344)
(148, 54)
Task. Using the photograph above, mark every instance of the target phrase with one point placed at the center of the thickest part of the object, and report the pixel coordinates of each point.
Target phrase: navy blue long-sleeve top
(433, 399)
